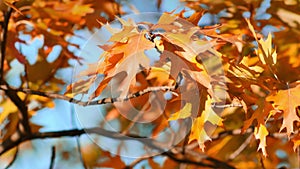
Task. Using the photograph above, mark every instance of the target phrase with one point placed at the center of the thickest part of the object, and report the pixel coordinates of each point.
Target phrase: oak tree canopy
(119, 84)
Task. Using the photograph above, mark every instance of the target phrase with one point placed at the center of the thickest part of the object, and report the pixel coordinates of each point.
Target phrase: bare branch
(52, 158)
(88, 103)
(10, 93)
(136, 161)
(8, 144)
(3, 41)
(174, 155)
(80, 153)
(23, 115)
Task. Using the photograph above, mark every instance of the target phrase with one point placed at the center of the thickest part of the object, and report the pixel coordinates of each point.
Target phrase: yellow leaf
(161, 75)
(198, 132)
(251, 28)
(266, 49)
(261, 134)
(82, 10)
(8, 107)
(265, 52)
(209, 115)
(183, 113)
(166, 19)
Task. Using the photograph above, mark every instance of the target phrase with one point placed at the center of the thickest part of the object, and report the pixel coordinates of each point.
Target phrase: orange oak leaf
(287, 100)
(124, 57)
(260, 114)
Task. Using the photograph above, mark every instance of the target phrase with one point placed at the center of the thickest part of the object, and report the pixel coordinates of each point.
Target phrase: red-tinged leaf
(111, 162)
(12, 50)
(287, 100)
(153, 164)
(169, 163)
(261, 133)
(133, 57)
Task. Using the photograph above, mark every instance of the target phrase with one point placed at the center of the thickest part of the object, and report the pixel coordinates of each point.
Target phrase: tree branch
(135, 162)
(80, 153)
(13, 96)
(88, 103)
(3, 40)
(105, 100)
(8, 144)
(10, 93)
(174, 155)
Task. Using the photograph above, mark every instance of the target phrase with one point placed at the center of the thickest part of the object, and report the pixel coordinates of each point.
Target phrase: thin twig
(262, 162)
(88, 103)
(79, 151)
(52, 158)
(73, 123)
(136, 161)
(9, 144)
(24, 127)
